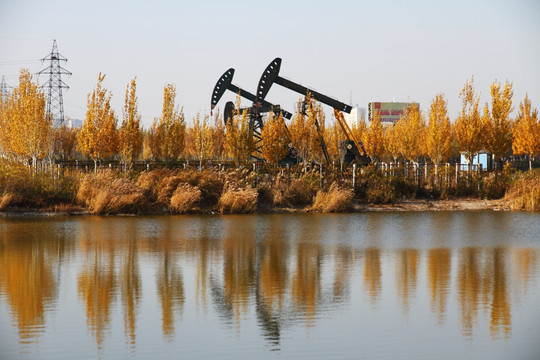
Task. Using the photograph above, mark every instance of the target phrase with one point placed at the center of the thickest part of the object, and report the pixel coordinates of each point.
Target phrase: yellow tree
(201, 138)
(218, 137)
(238, 139)
(526, 131)
(391, 141)
(305, 136)
(498, 131)
(411, 133)
(469, 127)
(439, 131)
(166, 136)
(275, 138)
(98, 137)
(332, 137)
(130, 133)
(28, 130)
(65, 139)
(374, 139)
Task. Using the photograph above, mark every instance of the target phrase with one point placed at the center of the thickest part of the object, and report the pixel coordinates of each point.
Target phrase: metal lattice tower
(5, 89)
(54, 85)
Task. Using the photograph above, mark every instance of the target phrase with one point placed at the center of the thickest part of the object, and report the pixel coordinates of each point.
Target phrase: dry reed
(336, 199)
(524, 192)
(238, 201)
(185, 199)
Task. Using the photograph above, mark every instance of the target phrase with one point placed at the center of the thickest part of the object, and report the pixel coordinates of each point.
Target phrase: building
(356, 114)
(389, 112)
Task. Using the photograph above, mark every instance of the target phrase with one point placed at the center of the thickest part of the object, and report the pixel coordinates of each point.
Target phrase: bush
(524, 191)
(185, 199)
(336, 199)
(238, 201)
(105, 193)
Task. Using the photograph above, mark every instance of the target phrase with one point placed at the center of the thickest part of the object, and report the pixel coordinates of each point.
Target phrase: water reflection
(282, 270)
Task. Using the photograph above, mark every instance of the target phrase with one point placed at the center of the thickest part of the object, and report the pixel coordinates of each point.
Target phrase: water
(442, 285)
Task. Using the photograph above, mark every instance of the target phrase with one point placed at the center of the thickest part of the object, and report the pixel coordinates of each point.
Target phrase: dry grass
(238, 201)
(336, 199)
(185, 199)
(6, 199)
(105, 193)
(524, 192)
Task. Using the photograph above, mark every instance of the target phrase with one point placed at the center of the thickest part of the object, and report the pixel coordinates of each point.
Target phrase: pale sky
(368, 50)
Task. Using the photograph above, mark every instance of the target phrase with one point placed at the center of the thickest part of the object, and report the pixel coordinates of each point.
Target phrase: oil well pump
(353, 149)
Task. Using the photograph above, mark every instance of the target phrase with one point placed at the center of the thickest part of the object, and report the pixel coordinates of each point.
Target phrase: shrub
(185, 199)
(238, 201)
(524, 191)
(105, 193)
(336, 199)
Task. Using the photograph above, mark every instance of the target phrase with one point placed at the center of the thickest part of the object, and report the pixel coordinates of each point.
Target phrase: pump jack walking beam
(225, 83)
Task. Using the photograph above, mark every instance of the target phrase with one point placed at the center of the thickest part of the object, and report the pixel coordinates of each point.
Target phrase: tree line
(27, 132)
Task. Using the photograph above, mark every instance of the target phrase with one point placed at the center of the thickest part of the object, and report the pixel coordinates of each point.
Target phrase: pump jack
(260, 105)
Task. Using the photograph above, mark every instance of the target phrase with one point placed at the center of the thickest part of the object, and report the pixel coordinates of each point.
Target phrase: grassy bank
(184, 191)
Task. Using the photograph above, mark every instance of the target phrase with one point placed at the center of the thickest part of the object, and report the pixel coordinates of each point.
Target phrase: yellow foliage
(98, 137)
(130, 133)
(238, 138)
(526, 131)
(439, 131)
(498, 126)
(26, 129)
(373, 138)
(201, 141)
(469, 127)
(410, 132)
(307, 130)
(275, 138)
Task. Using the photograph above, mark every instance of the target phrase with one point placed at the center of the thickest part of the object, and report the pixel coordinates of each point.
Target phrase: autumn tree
(168, 131)
(391, 141)
(374, 139)
(64, 143)
(439, 131)
(201, 138)
(526, 131)
(130, 133)
(275, 138)
(468, 127)
(98, 137)
(498, 131)
(26, 129)
(307, 129)
(238, 139)
(218, 137)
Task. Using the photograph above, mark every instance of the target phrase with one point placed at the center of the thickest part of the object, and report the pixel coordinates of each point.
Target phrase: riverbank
(401, 206)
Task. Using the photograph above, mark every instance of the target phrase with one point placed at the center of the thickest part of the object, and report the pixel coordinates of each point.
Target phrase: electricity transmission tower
(54, 85)
(4, 89)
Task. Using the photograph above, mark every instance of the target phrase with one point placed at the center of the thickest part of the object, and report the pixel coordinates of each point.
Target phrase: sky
(354, 51)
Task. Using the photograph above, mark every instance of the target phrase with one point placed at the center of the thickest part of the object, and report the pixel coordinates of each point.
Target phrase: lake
(418, 285)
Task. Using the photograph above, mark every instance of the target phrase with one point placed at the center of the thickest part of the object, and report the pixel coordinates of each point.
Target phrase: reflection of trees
(406, 276)
(372, 272)
(28, 279)
(344, 257)
(482, 280)
(131, 289)
(500, 316)
(170, 286)
(305, 286)
(525, 263)
(439, 276)
(97, 282)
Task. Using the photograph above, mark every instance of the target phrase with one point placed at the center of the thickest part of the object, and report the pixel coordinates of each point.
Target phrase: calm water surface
(434, 285)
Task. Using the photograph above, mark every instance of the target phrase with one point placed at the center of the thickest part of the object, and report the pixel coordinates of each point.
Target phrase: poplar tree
(26, 129)
(411, 132)
(201, 138)
(238, 139)
(98, 137)
(374, 139)
(469, 128)
(439, 131)
(498, 132)
(526, 131)
(130, 133)
(275, 138)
